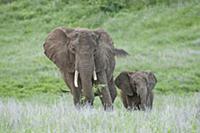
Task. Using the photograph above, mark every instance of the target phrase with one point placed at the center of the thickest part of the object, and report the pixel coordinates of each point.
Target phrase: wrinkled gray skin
(85, 51)
(136, 89)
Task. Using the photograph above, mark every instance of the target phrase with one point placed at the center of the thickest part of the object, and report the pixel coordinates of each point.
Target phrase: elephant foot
(77, 106)
(87, 102)
(85, 105)
(107, 104)
(108, 108)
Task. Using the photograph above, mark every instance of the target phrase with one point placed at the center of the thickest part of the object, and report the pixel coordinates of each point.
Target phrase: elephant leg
(150, 100)
(136, 102)
(105, 93)
(143, 94)
(112, 89)
(124, 100)
(76, 92)
(130, 103)
(143, 104)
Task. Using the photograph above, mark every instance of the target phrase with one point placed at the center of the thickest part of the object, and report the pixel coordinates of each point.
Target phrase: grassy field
(171, 114)
(161, 38)
(160, 35)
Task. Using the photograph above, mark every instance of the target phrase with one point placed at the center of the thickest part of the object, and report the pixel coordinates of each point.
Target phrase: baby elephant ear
(123, 82)
(151, 80)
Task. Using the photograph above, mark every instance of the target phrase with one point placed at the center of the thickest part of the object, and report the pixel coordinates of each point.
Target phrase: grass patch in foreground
(171, 113)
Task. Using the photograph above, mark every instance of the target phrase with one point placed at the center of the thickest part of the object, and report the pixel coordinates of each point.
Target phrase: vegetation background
(162, 36)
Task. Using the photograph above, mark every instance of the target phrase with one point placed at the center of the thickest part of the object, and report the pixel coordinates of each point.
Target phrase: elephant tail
(120, 52)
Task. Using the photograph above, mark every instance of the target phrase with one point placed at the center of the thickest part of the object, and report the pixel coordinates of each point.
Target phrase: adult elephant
(84, 57)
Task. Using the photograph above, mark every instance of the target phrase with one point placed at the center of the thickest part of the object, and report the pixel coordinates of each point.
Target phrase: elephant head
(83, 46)
(123, 82)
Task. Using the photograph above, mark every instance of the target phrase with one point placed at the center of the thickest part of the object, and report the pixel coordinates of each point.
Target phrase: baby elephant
(136, 89)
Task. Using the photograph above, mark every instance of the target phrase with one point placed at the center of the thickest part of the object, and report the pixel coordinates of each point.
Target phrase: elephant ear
(104, 52)
(57, 50)
(151, 80)
(123, 82)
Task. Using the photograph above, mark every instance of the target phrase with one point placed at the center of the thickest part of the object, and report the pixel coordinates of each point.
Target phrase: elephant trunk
(76, 76)
(86, 83)
(85, 68)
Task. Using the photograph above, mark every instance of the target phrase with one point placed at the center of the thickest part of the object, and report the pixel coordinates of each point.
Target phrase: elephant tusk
(94, 75)
(76, 79)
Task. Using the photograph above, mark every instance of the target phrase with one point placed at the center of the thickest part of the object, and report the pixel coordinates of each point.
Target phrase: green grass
(170, 114)
(163, 38)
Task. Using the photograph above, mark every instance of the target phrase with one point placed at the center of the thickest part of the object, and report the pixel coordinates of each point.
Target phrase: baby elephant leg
(124, 100)
(150, 100)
